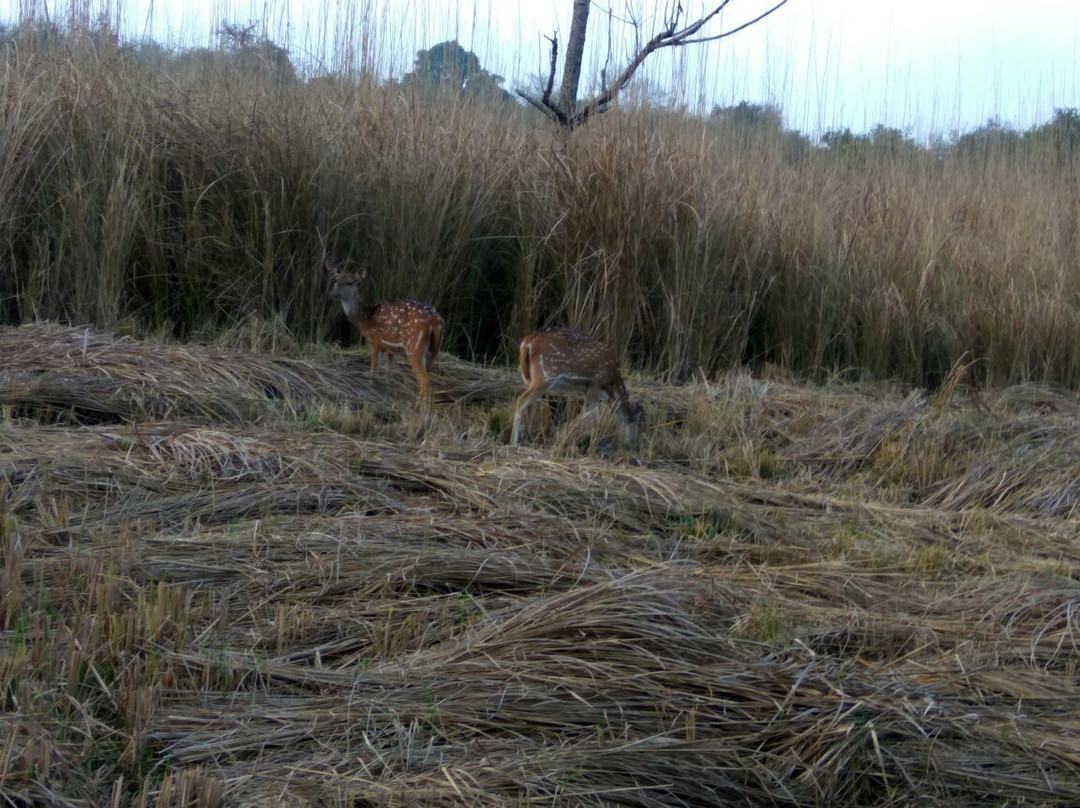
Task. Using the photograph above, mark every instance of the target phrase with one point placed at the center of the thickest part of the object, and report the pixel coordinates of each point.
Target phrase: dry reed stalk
(196, 192)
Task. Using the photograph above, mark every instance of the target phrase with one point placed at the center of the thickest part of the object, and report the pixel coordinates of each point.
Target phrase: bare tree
(570, 113)
(574, 53)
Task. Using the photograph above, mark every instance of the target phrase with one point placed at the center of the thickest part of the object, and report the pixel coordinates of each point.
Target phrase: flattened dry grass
(215, 595)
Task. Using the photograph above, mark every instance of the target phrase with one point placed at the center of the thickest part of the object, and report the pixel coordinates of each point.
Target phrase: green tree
(892, 140)
(1061, 134)
(755, 121)
(250, 52)
(844, 141)
(447, 66)
(993, 138)
(747, 117)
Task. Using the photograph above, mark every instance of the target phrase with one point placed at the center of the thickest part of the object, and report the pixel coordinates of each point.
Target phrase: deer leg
(419, 366)
(430, 347)
(628, 414)
(523, 401)
(593, 396)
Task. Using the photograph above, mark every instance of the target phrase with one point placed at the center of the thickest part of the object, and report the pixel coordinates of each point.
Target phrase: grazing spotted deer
(392, 326)
(562, 358)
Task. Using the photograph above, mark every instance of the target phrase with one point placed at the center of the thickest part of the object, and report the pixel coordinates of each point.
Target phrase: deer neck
(357, 312)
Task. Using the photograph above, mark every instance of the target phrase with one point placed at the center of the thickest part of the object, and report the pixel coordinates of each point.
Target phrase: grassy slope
(233, 578)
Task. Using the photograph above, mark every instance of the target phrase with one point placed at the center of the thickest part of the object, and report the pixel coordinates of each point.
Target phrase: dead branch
(671, 36)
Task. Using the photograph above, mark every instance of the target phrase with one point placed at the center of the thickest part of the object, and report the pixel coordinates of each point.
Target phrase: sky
(923, 66)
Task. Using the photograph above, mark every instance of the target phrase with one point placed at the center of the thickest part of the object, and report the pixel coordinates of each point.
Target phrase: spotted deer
(562, 358)
(392, 326)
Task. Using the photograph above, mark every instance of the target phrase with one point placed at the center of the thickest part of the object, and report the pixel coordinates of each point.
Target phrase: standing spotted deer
(562, 358)
(392, 326)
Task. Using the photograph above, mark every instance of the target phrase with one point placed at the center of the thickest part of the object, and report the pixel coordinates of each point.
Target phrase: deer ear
(362, 273)
(331, 266)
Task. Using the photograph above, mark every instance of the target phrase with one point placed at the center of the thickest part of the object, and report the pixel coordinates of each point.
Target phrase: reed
(187, 192)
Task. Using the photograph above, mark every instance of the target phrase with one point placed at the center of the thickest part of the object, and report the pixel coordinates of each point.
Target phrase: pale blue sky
(920, 65)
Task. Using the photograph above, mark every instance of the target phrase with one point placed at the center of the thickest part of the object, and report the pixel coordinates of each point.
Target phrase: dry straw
(215, 598)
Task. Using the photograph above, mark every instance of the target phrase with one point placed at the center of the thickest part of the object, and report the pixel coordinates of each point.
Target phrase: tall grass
(137, 193)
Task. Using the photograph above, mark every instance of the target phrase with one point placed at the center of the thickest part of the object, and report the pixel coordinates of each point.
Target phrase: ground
(247, 577)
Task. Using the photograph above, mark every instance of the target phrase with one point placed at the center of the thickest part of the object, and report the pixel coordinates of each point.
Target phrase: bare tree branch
(544, 103)
(697, 25)
(671, 36)
(536, 102)
(736, 30)
(554, 40)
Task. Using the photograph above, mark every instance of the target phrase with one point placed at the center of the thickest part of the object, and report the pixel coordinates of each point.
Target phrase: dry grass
(242, 571)
(181, 196)
(231, 578)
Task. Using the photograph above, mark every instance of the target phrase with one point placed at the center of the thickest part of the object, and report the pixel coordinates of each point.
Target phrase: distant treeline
(449, 67)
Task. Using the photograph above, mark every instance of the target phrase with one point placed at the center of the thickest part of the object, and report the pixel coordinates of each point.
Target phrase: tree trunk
(575, 49)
